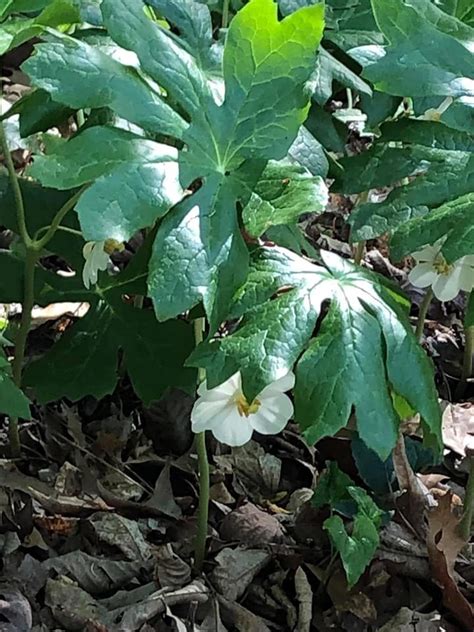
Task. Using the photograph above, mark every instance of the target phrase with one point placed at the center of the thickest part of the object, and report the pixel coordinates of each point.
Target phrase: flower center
(111, 245)
(441, 267)
(245, 409)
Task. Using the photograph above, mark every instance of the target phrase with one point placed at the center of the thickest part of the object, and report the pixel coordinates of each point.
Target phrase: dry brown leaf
(236, 569)
(251, 525)
(458, 427)
(444, 544)
(415, 501)
(170, 570)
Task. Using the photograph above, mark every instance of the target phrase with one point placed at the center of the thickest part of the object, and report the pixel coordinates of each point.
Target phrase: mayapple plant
(200, 143)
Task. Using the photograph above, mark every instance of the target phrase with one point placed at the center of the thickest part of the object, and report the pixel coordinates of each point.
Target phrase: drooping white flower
(97, 256)
(445, 279)
(225, 411)
(96, 259)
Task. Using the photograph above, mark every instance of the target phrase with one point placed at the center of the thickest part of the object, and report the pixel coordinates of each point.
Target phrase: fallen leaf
(93, 574)
(407, 620)
(414, 503)
(251, 525)
(444, 544)
(73, 607)
(170, 570)
(119, 532)
(235, 570)
(458, 427)
(15, 611)
(304, 595)
(163, 497)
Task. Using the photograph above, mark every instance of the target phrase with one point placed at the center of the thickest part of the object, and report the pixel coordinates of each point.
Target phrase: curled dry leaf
(444, 544)
(170, 570)
(251, 525)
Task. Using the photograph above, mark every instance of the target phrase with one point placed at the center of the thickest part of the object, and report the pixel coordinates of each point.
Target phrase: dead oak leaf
(444, 544)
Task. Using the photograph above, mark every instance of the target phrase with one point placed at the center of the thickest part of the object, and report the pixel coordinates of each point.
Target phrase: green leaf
(358, 549)
(427, 133)
(309, 153)
(228, 140)
(13, 402)
(332, 489)
(421, 59)
(60, 14)
(82, 76)
(283, 193)
(136, 180)
(153, 353)
(448, 174)
(379, 166)
(453, 220)
(38, 112)
(365, 342)
(244, 128)
(329, 70)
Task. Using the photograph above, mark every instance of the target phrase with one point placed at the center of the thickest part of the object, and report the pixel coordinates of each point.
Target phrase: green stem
(225, 13)
(468, 352)
(57, 219)
(20, 340)
(420, 323)
(65, 229)
(359, 252)
(203, 467)
(20, 207)
(465, 526)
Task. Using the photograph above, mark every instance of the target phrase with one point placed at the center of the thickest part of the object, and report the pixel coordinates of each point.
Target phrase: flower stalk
(203, 469)
(425, 304)
(465, 526)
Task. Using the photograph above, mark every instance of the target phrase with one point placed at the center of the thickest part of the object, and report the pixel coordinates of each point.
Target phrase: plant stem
(203, 467)
(465, 526)
(359, 252)
(57, 219)
(20, 340)
(468, 352)
(225, 13)
(20, 207)
(420, 323)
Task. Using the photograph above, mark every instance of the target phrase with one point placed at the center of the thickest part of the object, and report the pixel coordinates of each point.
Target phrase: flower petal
(466, 275)
(273, 415)
(423, 275)
(207, 414)
(281, 385)
(233, 430)
(227, 388)
(446, 287)
(427, 254)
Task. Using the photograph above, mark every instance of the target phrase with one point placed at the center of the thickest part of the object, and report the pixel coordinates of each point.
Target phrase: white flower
(231, 419)
(445, 279)
(96, 259)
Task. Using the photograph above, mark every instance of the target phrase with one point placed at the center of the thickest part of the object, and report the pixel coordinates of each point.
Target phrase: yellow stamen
(245, 409)
(111, 245)
(441, 266)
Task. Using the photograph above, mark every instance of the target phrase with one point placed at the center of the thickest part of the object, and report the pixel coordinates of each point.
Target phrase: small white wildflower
(445, 279)
(96, 259)
(225, 411)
